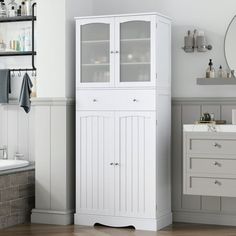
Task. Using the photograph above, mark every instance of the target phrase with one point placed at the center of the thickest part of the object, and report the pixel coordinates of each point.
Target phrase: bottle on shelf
(28, 5)
(23, 9)
(12, 12)
(220, 72)
(3, 9)
(210, 72)
(19, 11)
(12, 8)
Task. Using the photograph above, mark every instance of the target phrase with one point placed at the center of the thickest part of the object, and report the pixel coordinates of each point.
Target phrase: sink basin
(209, 128)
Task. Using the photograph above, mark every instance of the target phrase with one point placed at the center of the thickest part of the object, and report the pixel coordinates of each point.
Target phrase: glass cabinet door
(135, 51)
(96, 61)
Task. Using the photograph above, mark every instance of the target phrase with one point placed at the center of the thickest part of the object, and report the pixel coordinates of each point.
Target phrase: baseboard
(115, 221)
(52, 217)
(204, 218)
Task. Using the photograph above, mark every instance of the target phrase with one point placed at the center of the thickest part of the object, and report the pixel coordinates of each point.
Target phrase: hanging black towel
(25, 93)
(5, 85)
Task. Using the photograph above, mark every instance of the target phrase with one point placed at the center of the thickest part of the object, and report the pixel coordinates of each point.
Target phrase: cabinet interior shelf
(16, 19)
(124, 64)
(216, 81)
(7, 54)
(122, 40)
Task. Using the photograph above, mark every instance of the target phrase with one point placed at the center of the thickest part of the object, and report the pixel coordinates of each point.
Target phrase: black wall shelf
(17, 19)
(32, 53)
(8, 54)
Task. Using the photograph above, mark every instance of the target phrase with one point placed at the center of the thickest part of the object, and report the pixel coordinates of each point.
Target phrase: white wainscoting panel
(55, 161)
(17, 131)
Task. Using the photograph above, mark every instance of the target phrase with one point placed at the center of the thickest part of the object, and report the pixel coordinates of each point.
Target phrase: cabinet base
(52, 217)
(115, 221)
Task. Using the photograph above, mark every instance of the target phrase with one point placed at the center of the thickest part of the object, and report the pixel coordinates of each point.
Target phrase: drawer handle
(217, 182)
(95, 100)
(215, 163)
(217, 145)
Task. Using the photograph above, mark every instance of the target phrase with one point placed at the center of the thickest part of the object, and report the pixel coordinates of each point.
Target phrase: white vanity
(209, 160)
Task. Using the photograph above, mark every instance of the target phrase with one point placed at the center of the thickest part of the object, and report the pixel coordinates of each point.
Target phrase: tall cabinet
(123, 113)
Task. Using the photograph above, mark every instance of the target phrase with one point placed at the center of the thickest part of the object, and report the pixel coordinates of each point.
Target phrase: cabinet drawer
(212, 186)
(212, 146)
(209, 165)
(116, 100)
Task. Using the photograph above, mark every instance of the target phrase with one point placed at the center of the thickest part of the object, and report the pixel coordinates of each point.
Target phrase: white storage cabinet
(123, 104)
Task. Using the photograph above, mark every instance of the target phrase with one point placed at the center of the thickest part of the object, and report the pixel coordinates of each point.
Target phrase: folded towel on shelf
(25, 93)
(5, 85)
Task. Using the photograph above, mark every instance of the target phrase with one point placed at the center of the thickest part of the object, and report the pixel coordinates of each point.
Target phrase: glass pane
(95, 56)
(135, 51)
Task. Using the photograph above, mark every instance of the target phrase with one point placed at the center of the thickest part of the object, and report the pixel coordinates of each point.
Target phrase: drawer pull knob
(95, 100)
(217, 182)
(217, 145)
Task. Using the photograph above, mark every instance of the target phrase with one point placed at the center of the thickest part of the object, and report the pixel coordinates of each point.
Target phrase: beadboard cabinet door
(135, 158)
(95, 162)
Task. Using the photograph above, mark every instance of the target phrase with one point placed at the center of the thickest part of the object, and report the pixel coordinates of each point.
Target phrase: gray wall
(198, 209)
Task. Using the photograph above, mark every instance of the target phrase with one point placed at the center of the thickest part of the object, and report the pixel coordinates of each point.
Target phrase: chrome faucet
(4, 152)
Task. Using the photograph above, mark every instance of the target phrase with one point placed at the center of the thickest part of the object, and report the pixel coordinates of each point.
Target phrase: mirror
(230, 45)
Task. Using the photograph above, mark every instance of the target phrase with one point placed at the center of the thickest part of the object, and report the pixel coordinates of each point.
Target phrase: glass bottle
(23, 9)
(12, 5)
(210, 73)
(12, 12)
(28, 6)
(220, 72)
(3, 9)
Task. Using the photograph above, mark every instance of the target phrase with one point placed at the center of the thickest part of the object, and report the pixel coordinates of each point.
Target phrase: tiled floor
(175, 230)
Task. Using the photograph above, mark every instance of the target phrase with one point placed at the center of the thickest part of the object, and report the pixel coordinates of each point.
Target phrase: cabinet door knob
(112, 52)
(95, 100)
(217, 182)
(117, 164)
(111, 164)
(116, 51)
(135, 100)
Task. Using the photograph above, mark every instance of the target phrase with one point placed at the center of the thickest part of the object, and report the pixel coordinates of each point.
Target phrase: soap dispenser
(210, 72)
(220, 72)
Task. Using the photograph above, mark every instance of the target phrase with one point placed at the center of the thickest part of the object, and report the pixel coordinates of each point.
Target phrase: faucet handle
(19, 156)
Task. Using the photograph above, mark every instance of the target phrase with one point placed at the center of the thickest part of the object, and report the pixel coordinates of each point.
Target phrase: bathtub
(12, 164)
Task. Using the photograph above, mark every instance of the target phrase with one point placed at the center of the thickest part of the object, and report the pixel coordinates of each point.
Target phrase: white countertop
(209, 128)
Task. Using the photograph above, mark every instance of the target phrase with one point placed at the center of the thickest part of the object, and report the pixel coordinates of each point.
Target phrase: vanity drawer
(212, 166)
(212, 146)
(212, 186)
(116, 100)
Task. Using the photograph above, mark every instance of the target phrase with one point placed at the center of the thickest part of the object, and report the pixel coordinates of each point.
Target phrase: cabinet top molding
(120, 15)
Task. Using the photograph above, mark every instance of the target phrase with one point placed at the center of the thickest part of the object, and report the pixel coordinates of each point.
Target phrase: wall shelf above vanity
(17, 19)
(216, 81)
